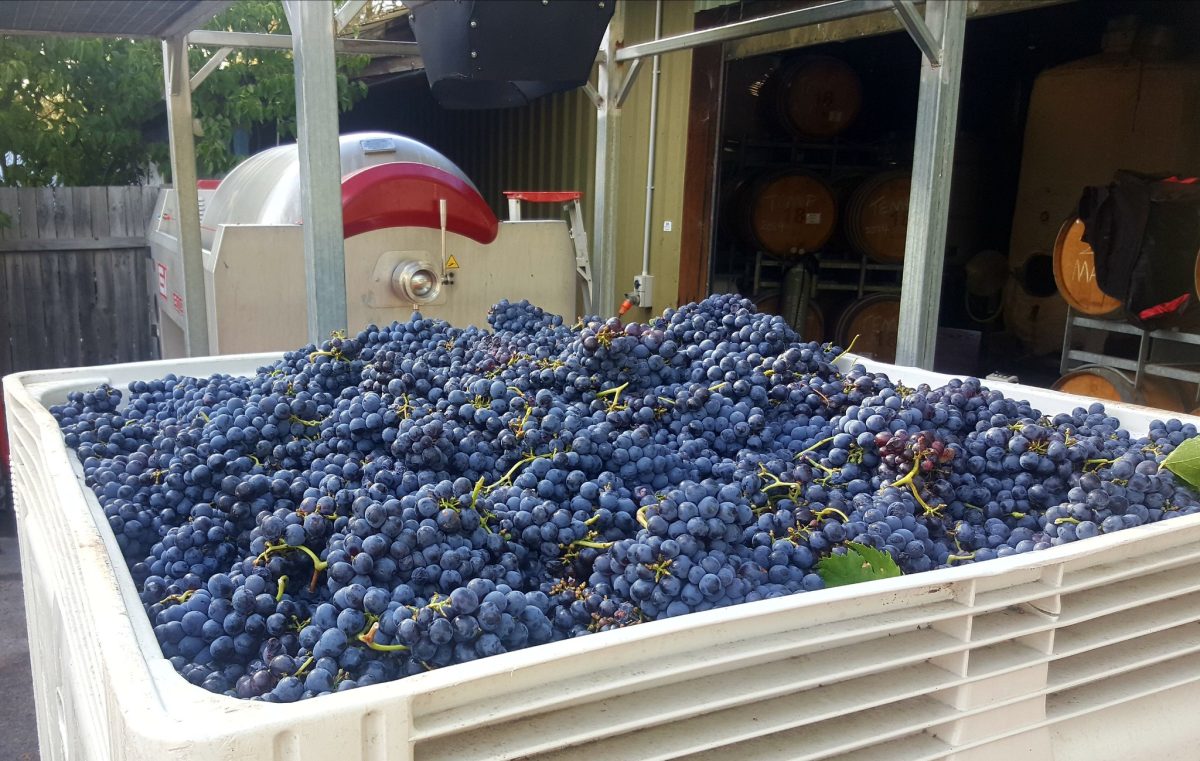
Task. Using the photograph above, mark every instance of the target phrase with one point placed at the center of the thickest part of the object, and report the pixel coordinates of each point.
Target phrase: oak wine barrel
(1099, 382)
(875, 320)
(1075, 274)
(786, 214)
(817, 96)
(875, 218)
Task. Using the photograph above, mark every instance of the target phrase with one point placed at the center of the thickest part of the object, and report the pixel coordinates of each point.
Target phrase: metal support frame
(286, 42)
(940, 38)
(627, 83)
(211, 65)
(347, 12)
(813, 14)
(183, 175)
(608, 145)
(320, 164)
(929, 202)
(915, 25)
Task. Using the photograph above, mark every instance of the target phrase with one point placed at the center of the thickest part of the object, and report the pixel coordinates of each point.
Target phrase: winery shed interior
(1054, 97)
(443, 429)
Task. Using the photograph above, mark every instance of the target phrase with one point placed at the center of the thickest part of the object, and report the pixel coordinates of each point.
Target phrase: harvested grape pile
(420, 495)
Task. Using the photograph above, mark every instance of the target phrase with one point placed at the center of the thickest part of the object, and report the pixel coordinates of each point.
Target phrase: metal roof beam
(320, 165)
(915, 24)
(929, 200)
(347, 12)
(197, 16)
(183, 177)
(215, 60)
(816, 14)
(284, 42)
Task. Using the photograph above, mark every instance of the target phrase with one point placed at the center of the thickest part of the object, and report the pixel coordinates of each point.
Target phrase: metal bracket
(919, 31)
(812, 14)
(209, 67)
(347, 45)
(583, 266)
(627, 83)
(590, 91)
(347, 12)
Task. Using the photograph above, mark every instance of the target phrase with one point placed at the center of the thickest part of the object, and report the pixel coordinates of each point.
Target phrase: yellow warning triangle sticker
(451, 263)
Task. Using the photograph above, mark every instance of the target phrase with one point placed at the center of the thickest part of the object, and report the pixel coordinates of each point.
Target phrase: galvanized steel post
(312, 23)
(183, 176)
(608, 143)
(929, 202)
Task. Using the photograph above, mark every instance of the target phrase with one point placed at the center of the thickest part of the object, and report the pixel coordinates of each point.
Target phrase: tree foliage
(82, 111)
(73, 110)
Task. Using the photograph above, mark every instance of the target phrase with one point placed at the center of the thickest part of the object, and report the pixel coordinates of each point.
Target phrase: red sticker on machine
(162, 280)
(177, 302)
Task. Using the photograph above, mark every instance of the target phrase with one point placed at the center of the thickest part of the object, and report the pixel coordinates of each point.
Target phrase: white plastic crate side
(916, 747)
(678, 654)
(456, 680)
(48, 551)
(1119, 658)
(1017, 710)
(767, 684)
(1032, 745)
(1123, 688)
(1073, 639)
(1110, 733)
(96, 695)
(872, 730)
(1129, 594)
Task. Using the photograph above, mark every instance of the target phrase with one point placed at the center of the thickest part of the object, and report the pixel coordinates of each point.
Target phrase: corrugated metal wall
(547, 145)
(551, 145)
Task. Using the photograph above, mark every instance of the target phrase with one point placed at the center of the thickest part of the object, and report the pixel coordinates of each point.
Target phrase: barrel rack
(1140, 366)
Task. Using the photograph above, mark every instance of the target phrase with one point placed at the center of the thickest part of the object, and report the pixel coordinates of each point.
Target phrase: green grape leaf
(1184, 462)
(860, 563)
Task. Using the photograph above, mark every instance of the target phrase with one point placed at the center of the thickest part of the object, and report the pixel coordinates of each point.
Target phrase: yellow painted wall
(673, 92)
(551, 145)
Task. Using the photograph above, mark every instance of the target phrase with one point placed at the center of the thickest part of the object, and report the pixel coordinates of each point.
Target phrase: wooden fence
(75, 277)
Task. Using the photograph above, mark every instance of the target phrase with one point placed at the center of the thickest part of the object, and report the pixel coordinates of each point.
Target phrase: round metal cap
(417, 282)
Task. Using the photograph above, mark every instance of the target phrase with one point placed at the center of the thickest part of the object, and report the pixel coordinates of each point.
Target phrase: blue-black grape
(419, 495)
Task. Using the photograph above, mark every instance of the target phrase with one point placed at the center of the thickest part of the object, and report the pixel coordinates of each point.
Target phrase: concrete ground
(18, 729)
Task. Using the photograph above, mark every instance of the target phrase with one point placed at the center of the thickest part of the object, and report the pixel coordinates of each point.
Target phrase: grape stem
(822, 513)
(641, 516)
(305, 665)
(335, 355)
(615, 402)
(818, 445)
(283, 580)
(507, 477)
(179, 598)
(661, 568)
(907, 480)
(318, 564)
(368, 639)
(844, 351)
(593, 545)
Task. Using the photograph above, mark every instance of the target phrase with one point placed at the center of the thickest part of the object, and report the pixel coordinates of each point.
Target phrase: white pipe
(653, 145)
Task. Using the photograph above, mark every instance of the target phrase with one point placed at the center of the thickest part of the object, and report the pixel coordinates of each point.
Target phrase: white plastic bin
(1086, 651)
